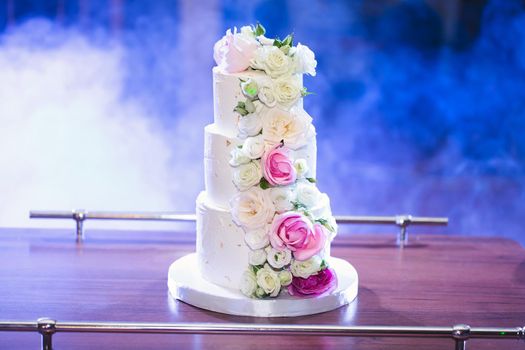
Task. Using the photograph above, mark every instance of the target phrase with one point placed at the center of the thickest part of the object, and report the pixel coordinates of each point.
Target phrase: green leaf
(305, 92)
(325, 223)
(298, 205)
(241, 111)
(264, 184)
(259, 30)
(277, 43)
(288, 40)
(311, 179)
(241, 108)
(324, 265)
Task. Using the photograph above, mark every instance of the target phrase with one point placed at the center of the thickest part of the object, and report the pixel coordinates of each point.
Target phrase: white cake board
(186, 284)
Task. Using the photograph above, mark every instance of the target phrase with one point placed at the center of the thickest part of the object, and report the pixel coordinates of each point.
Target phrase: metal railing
(459, 333)
(80, 215)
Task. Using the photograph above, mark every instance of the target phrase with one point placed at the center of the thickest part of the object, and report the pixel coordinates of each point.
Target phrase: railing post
(461, 333)
(79, 215)
(46, 327)
(403, 221)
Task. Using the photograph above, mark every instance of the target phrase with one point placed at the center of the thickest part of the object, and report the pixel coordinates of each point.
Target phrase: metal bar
(156, 216)
(80, 215)
(456, 332)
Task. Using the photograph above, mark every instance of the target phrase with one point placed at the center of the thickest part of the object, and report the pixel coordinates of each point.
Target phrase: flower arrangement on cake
(287, 222)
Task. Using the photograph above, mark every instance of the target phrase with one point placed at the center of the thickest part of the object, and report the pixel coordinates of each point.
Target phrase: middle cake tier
(218, 174)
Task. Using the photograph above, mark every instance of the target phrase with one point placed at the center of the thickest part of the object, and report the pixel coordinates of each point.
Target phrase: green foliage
(259, 30)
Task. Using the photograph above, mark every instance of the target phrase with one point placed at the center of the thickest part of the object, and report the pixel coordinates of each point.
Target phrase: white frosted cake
(263, 227)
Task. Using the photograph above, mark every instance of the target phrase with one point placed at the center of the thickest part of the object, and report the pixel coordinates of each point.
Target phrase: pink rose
(235, 51)
(295, 231)
(324, 281)
(278, 168)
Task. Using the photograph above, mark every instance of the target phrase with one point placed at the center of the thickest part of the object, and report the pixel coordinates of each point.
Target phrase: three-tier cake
(263, 227)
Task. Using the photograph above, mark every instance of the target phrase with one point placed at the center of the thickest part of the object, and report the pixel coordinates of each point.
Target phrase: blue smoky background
(419, 105)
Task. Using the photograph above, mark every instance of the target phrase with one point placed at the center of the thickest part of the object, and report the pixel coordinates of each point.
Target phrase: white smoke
(68, 139)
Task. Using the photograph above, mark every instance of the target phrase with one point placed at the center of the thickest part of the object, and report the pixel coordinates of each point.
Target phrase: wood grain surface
(121, 276)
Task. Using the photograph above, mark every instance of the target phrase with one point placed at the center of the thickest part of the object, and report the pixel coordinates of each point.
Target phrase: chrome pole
(458, 332)
(79, 215)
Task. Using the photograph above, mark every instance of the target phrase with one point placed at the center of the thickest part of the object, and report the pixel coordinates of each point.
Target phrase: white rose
(257, 239)
(304, 60)
(253, 147)
(285, 277)
(252, 209)
(247, 175)
(282, 198)
(248, 283)
(269, 281)
(301, 167)
(273, 61)
(278, 259)
(267, 96)
(238, 157)
(251, 124)
(257, 257)
(307, 193)
(291, 126)
(287, 91)
(306, 268)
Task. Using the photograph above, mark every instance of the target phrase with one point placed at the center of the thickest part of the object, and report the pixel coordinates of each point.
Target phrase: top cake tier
(227, 93)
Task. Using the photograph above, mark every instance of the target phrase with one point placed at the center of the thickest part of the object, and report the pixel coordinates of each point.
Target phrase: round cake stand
(188, 286)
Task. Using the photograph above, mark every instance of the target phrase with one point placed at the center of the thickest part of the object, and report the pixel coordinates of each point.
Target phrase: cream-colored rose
(282, 198)
(247, 175)
(273, 61)
(238, 157)
(287, 91)
(257, 239)
(291, 126)
(257, 257)
(253, 147)
(267, 96)
(279, 259)
(301, 167)
(269, 281)
(252, 208)
(285, 277)
(306, 268)
(307, 193)
(304, 60)
(248, 283)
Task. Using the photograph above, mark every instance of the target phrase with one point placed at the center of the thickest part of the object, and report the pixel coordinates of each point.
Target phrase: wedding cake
(263, 226)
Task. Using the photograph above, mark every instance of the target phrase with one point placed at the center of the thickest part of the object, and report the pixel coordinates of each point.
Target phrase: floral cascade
(277, 204)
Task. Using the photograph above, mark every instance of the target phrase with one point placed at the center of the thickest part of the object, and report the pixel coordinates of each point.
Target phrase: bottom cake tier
(222, 253)
(185, 285)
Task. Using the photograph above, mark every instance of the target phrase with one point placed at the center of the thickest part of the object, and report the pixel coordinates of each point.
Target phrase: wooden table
(121, 276)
